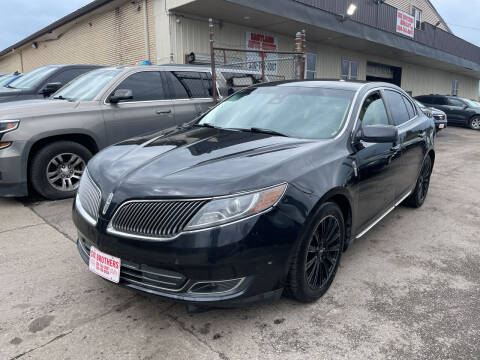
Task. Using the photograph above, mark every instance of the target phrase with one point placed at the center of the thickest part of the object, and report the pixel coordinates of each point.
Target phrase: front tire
(474, 123)
(317, 257)
(55, 170)
(419, 194)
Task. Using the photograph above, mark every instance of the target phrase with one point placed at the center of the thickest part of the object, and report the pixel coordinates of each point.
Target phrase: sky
(21, 18)
(462, 17)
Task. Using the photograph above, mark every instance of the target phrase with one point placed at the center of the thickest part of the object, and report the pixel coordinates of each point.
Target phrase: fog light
(215, 287)
(4, 145)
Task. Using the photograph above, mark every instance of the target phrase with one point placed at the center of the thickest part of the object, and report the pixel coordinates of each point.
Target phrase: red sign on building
(405, 24)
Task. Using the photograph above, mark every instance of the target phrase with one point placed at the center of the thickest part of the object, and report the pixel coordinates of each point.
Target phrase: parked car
(9, 78)
(42, 82)
(46, 143)
(262, 193)
(440, 118)
(460, 111)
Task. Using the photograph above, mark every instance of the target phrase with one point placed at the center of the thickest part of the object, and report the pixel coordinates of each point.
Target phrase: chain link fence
(245, 67)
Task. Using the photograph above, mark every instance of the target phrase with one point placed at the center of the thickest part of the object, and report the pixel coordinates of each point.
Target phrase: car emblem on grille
(107, 203)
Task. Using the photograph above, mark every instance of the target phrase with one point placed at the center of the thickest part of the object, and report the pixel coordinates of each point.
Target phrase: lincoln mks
(256, 197)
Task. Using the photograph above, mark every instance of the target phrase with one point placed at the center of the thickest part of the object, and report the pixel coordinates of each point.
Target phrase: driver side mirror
(120, 95)
(50, 88)
(378, 134)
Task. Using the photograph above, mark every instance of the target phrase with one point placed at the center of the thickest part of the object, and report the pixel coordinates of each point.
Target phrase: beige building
(420, 54)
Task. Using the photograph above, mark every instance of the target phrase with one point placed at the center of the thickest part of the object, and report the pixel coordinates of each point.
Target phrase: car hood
(34, 108)
(198, 162)
(7, 93)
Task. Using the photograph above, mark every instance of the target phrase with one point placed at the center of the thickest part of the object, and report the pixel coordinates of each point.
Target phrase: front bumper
(13, 177)
(256, 250)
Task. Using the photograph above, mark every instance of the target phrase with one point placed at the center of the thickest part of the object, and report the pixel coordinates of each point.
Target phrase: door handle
(163, 112)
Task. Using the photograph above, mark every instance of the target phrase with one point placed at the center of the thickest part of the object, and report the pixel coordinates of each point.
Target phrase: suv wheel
(55, 170)
(316, 260)
(475, 123)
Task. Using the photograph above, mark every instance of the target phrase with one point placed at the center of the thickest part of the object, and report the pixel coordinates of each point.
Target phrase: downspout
(145, 31)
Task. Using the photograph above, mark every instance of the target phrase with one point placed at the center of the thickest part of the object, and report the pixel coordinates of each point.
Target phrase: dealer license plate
(441, 126)
(107, 266)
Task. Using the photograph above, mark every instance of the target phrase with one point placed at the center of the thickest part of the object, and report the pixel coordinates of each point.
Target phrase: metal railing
(384, 17)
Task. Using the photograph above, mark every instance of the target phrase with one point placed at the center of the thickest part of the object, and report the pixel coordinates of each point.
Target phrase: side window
(410, 108)
(207, 83)
(145, 85)
(373, 111)
(193, 82)
(178, 90)
(397, 107)
(67, 75)
(455, 102)
(439, 101)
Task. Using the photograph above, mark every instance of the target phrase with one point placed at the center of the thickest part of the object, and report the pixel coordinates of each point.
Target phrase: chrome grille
(89, 196)
(144, 276)
(161, 218)
(439, 117)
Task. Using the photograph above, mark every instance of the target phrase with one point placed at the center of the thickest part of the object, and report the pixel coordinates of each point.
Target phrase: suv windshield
(33, 78)
(86, 86)
(303, 112)
(471, 103)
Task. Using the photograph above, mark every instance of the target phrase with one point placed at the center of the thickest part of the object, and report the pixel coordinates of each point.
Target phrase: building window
(311, 66)
(417, 14)
(349, 70)
(455, 87)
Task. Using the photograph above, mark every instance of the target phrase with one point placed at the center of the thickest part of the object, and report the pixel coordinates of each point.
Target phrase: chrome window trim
(381, 89)
(112, 231)
(349, 116)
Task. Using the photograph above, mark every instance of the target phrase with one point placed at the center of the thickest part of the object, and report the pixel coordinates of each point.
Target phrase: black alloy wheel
(317, 258)
(419, 194)
(323, 252)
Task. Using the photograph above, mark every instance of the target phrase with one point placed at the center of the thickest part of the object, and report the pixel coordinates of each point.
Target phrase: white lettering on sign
(266, 43)
(405, 24)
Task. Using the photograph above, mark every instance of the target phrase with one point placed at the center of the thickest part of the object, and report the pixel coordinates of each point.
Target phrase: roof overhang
(287, 17)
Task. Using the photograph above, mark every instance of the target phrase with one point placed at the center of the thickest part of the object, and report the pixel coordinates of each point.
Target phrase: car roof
(353, 85)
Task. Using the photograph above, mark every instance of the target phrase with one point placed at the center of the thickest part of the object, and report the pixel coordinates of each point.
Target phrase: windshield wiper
(10, 87)
(60, 97)
(206, 125)
(266, 131)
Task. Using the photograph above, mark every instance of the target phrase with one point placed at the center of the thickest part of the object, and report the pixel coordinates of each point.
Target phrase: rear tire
(317, 257)
(419, 194)
(56, 168)
(474, 123)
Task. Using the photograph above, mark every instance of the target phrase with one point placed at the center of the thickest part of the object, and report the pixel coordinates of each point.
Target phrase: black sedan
(260, 195)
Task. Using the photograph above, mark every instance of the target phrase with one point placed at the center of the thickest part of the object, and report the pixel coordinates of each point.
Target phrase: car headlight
(228, 209)
(8, 125)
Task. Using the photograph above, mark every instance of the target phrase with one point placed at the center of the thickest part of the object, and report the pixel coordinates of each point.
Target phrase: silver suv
(46, 144)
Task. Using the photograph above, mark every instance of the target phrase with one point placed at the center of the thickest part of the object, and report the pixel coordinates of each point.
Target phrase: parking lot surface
(410, 288)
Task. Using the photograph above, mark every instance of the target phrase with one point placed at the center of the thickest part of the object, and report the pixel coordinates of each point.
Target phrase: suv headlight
(228, 209)
(8, 125)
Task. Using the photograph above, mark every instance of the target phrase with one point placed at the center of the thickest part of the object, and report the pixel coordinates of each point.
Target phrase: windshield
(303, 112)
(86, 86)
(471, 103)
(4, 80)
(33, 78)
(419, 103)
